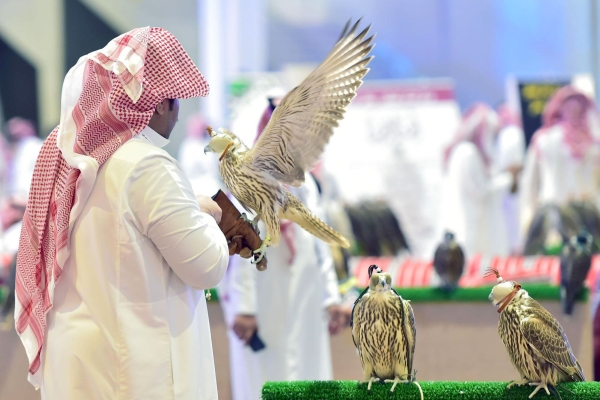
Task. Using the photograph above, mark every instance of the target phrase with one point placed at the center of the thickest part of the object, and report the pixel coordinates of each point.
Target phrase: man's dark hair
(171, 101)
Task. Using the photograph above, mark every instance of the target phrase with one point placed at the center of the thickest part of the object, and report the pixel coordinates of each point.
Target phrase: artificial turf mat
(538, 291)
(334, 390)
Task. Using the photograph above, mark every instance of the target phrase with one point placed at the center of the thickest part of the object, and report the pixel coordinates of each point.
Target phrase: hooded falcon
(449, 262)
(536, 343)
(293, 141)
(575, 263)
(384, 332)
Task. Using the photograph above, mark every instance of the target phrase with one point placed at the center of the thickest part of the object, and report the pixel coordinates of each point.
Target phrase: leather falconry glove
(241, 237)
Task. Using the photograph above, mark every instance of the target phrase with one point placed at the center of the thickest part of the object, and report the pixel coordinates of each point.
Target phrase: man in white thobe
(115, 248)
(510, 152)
(294, 306)
(24, 147)
(471, 190)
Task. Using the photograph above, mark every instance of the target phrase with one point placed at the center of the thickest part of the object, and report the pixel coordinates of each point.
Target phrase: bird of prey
(536, 343)
(384, 332)
(575, 263)
(550, 228)
(449, 262)
(590, 220)
(293, 141)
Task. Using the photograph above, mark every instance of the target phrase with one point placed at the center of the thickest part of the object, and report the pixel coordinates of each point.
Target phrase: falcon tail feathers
(298, 213)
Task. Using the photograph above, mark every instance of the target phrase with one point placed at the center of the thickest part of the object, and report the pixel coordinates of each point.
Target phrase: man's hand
(241, 237)
(210, 207)
(339, 318)
(244, 327)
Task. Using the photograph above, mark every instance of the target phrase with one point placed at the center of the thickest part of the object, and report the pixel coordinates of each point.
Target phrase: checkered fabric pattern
(122, 84)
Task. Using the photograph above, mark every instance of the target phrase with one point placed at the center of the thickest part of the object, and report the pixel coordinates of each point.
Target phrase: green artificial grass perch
(443, 390)
(540, 292)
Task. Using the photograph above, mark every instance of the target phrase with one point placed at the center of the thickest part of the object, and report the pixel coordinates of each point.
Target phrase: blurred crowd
(499, 198)
(19, 148)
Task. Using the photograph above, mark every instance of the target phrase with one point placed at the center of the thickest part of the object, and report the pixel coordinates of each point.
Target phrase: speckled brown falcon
(384, 332)
(293, 141)
(536, 343)
(449, 262)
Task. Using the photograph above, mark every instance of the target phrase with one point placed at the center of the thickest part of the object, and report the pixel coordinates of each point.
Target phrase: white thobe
(202, 170)
(510, 151)
(289, 302)
(129, 319)
(20, 171)
(552, 175)
(469, 206)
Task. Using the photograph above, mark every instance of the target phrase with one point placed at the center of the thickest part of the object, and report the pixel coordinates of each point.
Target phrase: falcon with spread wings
(293, 141)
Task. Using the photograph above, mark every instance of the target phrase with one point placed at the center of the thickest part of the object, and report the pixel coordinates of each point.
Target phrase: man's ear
(162, 107)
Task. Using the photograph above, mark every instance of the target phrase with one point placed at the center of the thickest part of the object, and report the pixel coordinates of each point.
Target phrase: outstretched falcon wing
(548, 340)
(302, 124)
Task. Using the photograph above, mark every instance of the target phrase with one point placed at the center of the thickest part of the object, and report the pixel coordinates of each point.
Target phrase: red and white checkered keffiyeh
(108, 97)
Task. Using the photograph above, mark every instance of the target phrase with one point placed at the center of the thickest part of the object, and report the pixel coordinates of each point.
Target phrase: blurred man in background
(24, 147)
(19, 152)
(563, 160)
(472, 190)
(293, 307)
(510, 153)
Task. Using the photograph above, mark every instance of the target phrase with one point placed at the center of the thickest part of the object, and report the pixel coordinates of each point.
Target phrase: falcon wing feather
(410, 331)
(295, 137)
(547, 338)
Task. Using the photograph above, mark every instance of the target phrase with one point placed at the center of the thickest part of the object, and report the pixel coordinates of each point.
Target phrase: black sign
(533, 97)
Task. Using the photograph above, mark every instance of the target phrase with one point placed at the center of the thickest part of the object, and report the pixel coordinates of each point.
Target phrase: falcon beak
(208, 149)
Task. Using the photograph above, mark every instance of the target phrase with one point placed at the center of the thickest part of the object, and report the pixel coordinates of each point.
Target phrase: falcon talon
(540, 385)
(370, 382)
(262, 249)
(518, 383)
(395, 382)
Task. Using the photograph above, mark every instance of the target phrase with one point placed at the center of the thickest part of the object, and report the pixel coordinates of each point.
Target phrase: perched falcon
(293, 141)
(449, 262)
(536, 343)
(384, 332)
(590, 220)
(551, 226)
(575, 263)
